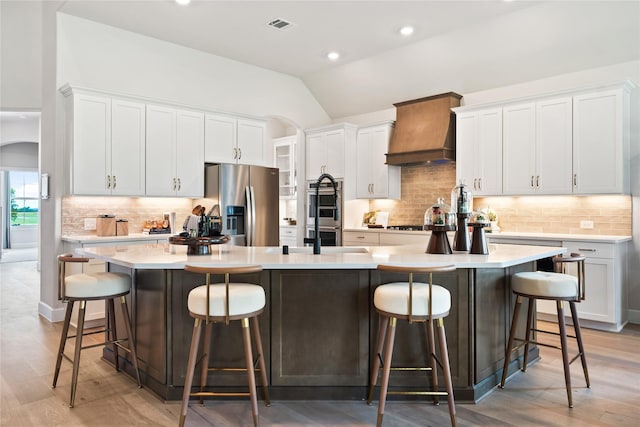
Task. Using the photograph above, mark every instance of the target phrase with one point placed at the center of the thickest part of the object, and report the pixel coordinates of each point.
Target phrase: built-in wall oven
(330, 229)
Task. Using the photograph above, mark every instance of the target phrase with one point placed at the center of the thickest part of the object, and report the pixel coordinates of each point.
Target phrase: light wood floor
(106, 398)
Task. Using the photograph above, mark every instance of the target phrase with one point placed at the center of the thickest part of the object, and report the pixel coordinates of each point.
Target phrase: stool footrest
(218, 393)
(418, 393)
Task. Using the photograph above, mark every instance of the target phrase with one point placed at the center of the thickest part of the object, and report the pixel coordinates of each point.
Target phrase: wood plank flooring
(106, 398)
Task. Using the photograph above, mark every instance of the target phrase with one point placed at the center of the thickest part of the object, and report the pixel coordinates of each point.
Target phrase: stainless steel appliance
(329, 228)
(248, 202)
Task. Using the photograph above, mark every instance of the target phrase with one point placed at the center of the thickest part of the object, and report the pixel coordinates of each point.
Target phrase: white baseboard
(51, 314)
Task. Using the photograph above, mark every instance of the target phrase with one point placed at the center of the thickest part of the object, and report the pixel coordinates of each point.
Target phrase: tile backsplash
(135, 210)
(422, 185)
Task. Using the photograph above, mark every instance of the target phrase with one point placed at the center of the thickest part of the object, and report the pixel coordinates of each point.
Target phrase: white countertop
(601, 238)
(166, 256)
(92, 238)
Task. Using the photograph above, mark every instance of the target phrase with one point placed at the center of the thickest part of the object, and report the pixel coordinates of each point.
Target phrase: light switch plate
(89, 223)
(586, 224)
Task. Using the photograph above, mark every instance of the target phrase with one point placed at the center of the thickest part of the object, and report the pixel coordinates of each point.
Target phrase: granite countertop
(92, 238)
(166, 256)
(598, 238)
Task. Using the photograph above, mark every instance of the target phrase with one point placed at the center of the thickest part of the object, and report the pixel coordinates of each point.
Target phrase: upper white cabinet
(175, 147)
(374, 178)
(284, 159)
(325, 150)
(230, 139)
(601, 142)
(479, 150)
(106, 143)
(537, 147)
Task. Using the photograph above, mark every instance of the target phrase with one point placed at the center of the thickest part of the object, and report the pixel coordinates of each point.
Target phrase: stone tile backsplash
(135, 210)
(422, 185)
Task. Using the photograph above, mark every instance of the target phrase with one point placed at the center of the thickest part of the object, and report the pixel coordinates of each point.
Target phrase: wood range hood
(424, 130)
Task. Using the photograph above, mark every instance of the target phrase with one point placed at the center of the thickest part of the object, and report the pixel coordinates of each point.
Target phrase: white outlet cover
(89, 223)
(586, 224)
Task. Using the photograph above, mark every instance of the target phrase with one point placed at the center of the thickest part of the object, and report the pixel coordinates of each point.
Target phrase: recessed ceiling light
(333, 56)
(406, 30)
(183, 2)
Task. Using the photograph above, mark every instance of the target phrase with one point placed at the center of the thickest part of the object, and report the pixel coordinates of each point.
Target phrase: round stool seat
(244, 298)
(96, 285)
(394, 298)
(545, 284)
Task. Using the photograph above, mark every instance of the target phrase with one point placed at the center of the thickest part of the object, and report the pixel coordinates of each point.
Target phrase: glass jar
(439, 215)
(461, 199)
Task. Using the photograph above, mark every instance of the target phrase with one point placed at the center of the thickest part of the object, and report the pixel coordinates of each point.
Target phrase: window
(23, 197)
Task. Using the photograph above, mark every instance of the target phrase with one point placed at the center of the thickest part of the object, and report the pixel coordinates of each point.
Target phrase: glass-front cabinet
(284, 160)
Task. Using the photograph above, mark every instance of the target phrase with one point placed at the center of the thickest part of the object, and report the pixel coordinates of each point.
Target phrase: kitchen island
(319, 327)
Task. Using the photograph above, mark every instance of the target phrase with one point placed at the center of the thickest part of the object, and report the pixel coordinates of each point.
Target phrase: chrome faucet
(316, 236)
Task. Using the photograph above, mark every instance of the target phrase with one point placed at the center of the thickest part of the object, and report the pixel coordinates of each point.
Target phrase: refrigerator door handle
(253, 216)
(250, 211)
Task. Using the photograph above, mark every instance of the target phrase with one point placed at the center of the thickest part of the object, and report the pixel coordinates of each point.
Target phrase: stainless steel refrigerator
(248, 200)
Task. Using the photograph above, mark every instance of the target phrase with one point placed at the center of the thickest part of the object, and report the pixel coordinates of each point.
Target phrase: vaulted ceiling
(461, 46)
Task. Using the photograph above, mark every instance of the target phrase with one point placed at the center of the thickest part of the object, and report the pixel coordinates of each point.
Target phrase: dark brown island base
(319, 328)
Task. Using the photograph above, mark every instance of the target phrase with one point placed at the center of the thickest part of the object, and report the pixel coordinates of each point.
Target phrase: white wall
(21, 155)
(21, 46)
(103, 57)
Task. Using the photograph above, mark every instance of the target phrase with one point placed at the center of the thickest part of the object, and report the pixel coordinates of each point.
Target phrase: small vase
(494, 227)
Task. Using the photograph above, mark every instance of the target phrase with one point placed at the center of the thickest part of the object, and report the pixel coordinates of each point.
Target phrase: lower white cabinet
(288, 236)
(383, 238)
(360, 238)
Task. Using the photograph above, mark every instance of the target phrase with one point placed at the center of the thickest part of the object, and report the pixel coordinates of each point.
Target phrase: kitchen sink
(324, 250)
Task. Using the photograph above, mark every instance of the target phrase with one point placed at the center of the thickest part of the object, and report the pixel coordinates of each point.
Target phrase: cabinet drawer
(590, 249)
(287, 232)
(395, 239)
(361, 237)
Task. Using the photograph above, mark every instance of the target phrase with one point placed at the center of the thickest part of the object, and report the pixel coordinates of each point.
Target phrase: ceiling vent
(280, 24)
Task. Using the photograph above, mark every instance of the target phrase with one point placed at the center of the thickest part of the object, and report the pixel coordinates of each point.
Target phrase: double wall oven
(330, 229)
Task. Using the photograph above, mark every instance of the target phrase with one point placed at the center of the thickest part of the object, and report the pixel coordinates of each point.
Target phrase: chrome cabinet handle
(235, 153)
(586, 250)
(479, 183)
(108, 182)
(179, 184)
(531, 181)
(114, 182)
(475, 183)
(359, 237)
(575, 179)
(174, 184)
(239, 153)
(538, 181)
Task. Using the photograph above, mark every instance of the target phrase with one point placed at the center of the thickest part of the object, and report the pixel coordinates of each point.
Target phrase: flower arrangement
(491, 214)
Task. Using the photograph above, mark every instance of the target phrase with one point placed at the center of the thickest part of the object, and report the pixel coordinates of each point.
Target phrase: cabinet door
(554, 146)
(189, 153)
(284, 160)
(466, 144)
(364, 163)
(220, 139)
(127, 148)
(385, 179)
(488, 154)
(598, 143)
(316, 155)
(251, 142)
(518, 149)
(599, 299)
(161, 151)
(91, 166)
(335, 153)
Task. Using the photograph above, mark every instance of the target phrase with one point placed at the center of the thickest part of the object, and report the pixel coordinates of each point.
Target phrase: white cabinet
(601, 142)
(375, 179)
(230, 139)
(325, 150)
(537, 147)
(479, 150)
(175, 146)
(288, 236)
(360, 238)
(399, 239)
(106, 139)
(284, 159)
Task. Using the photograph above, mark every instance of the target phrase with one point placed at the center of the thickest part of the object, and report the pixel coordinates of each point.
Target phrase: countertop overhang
(166, 256)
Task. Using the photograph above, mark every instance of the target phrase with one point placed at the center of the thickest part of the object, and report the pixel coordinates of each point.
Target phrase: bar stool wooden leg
(261, 364)
(63, 341)
(512, 336)
(111, 333)
(565, 351)
(191, 367)
(382, 331)
(386, 368)
(206, 350)
(432, 360)
(444, 354)
(527, 337)
(576, 326)
(76, 355)
(132, 346)
(246, 338)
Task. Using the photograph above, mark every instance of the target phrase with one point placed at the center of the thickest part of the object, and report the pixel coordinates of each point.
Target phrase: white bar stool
(414, 302)
(225, 302)
(87, 287)
(557, 286)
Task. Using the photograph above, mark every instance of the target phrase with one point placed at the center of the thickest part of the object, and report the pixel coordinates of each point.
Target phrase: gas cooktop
(406, 227)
